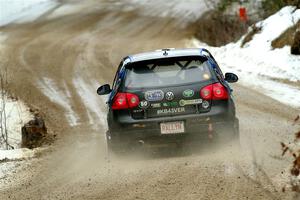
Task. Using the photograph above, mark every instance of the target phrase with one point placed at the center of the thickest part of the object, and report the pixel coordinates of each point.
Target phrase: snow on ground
(188, 10)
(17, 114)
(67, 9)
(73, 7)
(19, 11)
(183, 11)
(272, 72)
(11, 161)
(94, 104)
(59, 96)
(16, 154)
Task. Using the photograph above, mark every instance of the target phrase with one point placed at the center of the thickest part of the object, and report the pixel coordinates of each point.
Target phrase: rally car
(169, 96)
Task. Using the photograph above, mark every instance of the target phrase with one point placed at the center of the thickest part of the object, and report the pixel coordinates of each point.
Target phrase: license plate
(172, 127)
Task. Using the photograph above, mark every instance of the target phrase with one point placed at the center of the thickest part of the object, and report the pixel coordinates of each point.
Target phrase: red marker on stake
(243, 14)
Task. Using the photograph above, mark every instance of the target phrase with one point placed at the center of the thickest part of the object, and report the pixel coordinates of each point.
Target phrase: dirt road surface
(55, 65)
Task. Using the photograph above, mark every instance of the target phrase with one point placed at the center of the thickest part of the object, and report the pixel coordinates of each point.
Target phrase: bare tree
(3, 111)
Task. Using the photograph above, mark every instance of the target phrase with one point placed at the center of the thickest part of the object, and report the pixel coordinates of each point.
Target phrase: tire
(114, 145)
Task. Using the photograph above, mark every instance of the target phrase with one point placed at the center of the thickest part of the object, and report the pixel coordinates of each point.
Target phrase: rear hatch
(169, 87)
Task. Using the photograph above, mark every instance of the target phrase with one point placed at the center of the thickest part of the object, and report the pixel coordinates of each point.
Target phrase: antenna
(165, 51)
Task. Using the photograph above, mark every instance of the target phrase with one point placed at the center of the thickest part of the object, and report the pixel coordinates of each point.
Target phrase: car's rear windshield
(167, 72)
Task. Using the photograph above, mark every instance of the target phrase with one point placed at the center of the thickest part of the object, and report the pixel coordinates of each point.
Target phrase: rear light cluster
(214, 92)
(125, 101)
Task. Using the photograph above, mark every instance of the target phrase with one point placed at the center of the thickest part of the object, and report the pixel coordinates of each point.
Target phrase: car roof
(168, 53)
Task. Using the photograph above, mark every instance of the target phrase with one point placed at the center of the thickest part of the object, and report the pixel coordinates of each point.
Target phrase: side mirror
(104, 89)
(231, 78)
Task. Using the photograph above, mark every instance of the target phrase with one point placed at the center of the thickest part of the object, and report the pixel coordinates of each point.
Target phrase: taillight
(120, 102)
(219, 91)
(125, 101)
(133, 100)
(214, 92)
(206, 92)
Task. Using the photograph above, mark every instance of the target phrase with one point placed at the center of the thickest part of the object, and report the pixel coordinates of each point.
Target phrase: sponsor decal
(170, 104)
(144, 104)
(137, 111)
(169, 96)
(154, 95)
(170, 111)
(183, 102)
(188, 93)
(155, 105)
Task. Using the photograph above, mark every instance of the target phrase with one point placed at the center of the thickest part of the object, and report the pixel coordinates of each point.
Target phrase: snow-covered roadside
(12, 161)
(17, 113)
(260, 67)
(19, 11)
(16, 154)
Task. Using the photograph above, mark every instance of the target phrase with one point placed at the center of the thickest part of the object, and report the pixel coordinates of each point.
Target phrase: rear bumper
(123, 127)
(192, 132)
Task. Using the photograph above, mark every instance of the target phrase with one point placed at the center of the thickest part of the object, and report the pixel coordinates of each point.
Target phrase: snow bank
(19, 11)
(272, 72)
(19, 156)
(17, 114)
(16, 154)
(273, 26)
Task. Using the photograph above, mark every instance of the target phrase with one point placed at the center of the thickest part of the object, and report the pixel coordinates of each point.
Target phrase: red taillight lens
(206, 92)
(133, 100)
(125, 101)
(214, 92)
(120, 102)
(219, 91)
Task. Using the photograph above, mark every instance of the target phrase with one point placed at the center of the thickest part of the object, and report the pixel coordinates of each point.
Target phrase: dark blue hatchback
(169, 96)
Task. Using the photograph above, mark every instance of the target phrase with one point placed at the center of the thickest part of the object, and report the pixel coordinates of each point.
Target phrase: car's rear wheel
(114, 145)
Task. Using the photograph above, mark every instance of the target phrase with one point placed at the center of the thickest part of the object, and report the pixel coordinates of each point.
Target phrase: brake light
(214, 92)
(206, 92)
(120, 102)
(125, 101)
(133, 100)
(219, 91)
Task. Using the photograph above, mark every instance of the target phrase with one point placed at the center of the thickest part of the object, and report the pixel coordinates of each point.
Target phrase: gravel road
(55, 65)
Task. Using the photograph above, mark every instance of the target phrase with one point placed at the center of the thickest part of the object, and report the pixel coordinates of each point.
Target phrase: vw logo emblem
(169, 96)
